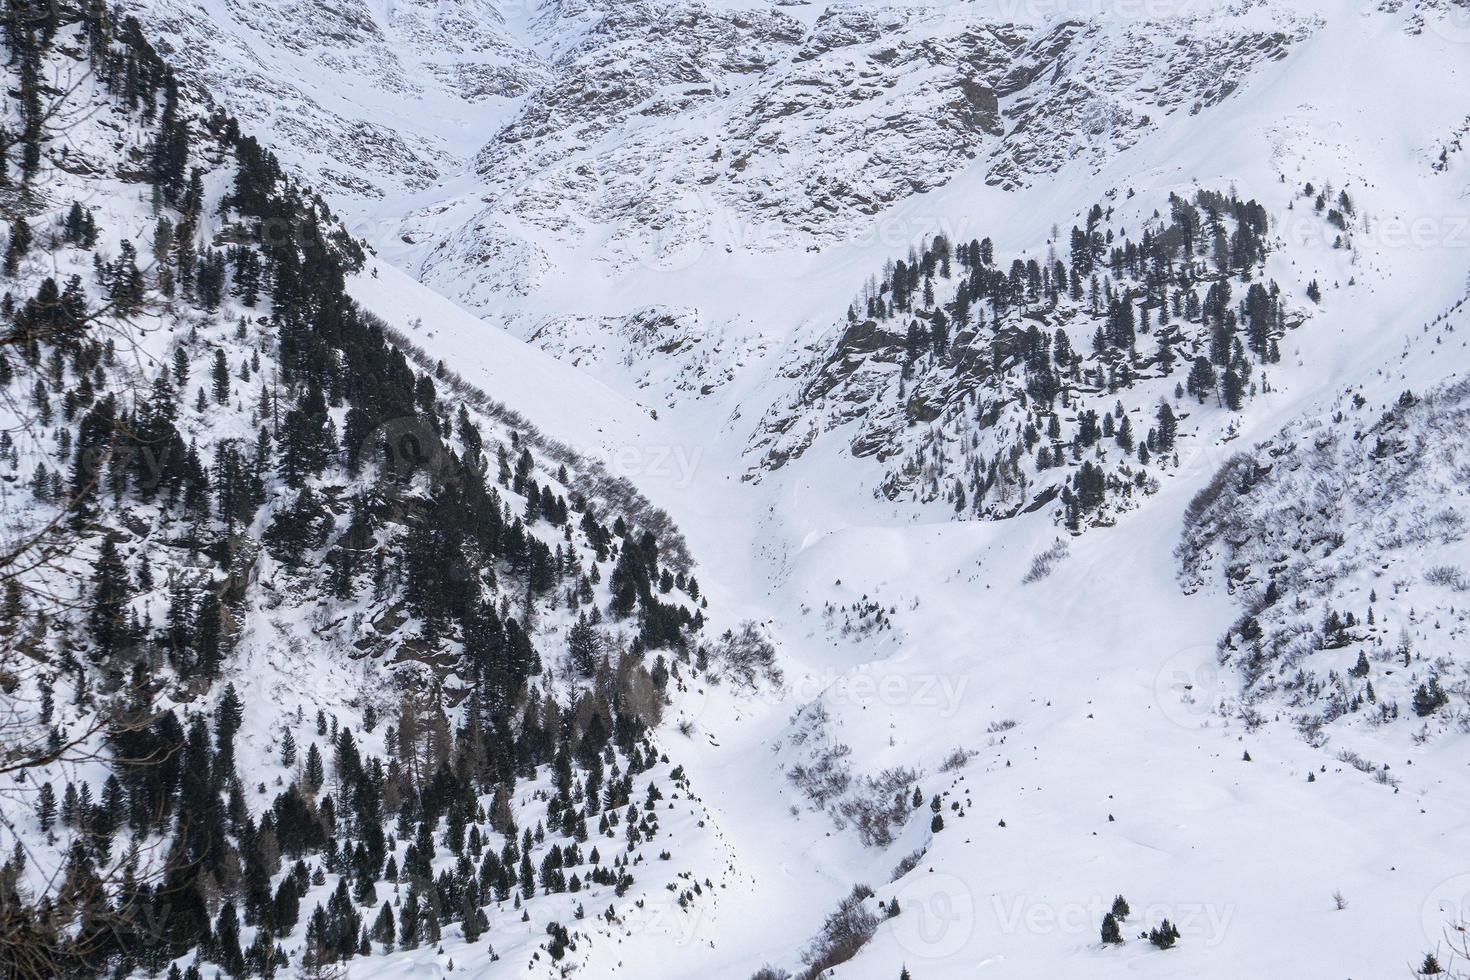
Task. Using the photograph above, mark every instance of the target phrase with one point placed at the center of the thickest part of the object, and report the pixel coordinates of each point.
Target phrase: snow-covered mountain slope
(985, 403)
(274, 576)
(965, 647)
(623, 139)
(643, 225)
(374, 98)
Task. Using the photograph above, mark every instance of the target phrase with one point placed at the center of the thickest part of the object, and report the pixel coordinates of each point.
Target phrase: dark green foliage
(1164, 935)
(1429, 697)
(420, 526)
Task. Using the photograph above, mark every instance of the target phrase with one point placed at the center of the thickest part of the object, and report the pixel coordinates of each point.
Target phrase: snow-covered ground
(1118, 777)
(1080, 730)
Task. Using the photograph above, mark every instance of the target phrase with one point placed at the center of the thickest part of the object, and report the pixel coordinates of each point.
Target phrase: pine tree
(111, 590)
(1167, 427)
(314, 774)
(221, 376)
(20, 245)
(1429, 698)
(1201, 380)
(1111, 934)
(46, 806)
(227, 718)
(582, 645)
(227, 952)
(1165, 935)
(181, 368)
(1233, 390)
(470, 912)
(1125, 434)
(383, 929)
(207, 633)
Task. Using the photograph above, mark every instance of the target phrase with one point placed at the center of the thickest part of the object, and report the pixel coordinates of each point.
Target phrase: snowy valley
(735, 488)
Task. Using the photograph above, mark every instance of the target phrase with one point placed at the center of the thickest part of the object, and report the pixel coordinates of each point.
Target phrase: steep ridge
(1089, 720)
(307, 653)
(650, 138)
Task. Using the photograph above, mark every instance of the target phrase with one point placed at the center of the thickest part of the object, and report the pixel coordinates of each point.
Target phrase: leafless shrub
(769, 972)
(826, 778)
(1210, 512)
(957, 759)
(1449, 576)
(1252, 718)
(846, 930)
(910, 862)
(745, 656)
(880, 805)
(1383, 778)
(1312, 730)
(1043, 564)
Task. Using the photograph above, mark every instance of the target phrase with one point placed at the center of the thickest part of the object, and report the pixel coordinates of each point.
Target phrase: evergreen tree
(1167, 427)
(1164, 935)
(1201, 379)
(46, 806)
(1233, 390)
(111, 593)
(221, 376)
(314, 774)
(582, 645)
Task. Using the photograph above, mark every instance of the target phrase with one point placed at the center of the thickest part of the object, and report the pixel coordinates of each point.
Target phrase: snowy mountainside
(1007, 361)
(932, 742)
(861, 109)
(275, 578)
(375, 98)
(639, 136)
(1341, 540)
